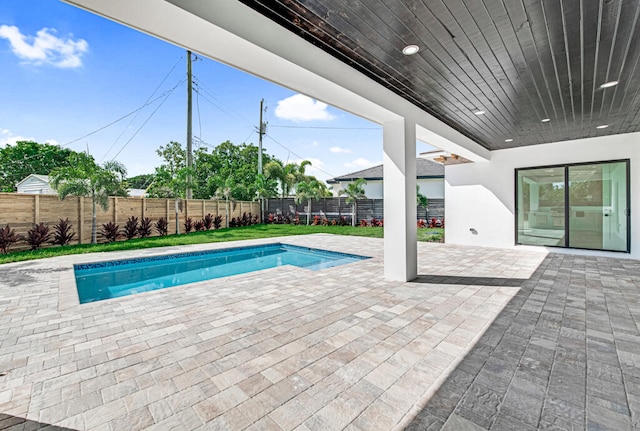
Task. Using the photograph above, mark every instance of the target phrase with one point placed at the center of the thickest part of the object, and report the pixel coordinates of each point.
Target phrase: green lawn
(221, 235)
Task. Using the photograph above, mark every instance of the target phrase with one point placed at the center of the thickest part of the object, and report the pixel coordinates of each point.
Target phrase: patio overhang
(234, 34)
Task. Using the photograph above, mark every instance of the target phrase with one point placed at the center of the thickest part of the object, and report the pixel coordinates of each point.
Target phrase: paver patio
(485, 339)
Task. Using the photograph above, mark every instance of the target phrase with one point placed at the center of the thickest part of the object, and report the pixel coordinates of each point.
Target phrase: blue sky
(67, 73)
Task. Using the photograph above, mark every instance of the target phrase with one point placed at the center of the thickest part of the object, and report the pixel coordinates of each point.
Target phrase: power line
(118, 120)
(136, 116)
(327, 127)
(299, 156)
(148, 118)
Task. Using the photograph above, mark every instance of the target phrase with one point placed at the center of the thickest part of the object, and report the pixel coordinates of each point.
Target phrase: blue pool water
(104, 280)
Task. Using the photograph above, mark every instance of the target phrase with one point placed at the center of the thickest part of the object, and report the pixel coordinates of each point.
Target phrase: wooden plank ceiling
(519, 61)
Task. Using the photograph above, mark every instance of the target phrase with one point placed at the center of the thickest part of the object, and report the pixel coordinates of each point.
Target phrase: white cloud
(52, 142)
(360, 163)
(45, 47)
(302, 108)
(8, 138)
(338, 150)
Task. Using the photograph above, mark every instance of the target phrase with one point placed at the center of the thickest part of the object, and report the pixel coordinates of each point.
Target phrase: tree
(236, 162)
(140, 181)
(287, 175)
(28, 157)
(354, 191)
(310, 189)
(170, 178)
(422, 200)
(83, 177)
(226, 192)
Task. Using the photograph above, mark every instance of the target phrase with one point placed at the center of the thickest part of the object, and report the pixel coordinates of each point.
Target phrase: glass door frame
(567, 222)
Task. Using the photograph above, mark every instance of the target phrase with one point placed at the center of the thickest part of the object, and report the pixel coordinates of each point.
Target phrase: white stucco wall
(481, 196)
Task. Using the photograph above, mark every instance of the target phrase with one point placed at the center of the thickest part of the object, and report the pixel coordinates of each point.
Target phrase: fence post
(115, 210)
(36, 208)
(143, 202)
(203, 209)
(80, 218)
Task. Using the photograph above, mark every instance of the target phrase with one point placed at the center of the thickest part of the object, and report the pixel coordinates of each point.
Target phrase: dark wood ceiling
(520, 61)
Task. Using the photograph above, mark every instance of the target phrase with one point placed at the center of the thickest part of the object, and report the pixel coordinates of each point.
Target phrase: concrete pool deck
(485, 338)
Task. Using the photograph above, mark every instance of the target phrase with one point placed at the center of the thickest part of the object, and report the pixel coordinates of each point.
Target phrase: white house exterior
(429, 178)
(36, 185)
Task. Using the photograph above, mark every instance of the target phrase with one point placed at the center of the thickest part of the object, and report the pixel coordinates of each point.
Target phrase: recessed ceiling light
(508, 140)
(609, 84)
(479, 112)
(410, 49)
(602, 126)
(546, 120)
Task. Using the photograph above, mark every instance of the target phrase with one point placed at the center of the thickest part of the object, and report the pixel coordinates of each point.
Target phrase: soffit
(519, 61)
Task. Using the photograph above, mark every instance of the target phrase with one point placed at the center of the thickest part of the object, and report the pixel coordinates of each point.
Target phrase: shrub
(325, 221)
(38, 235)
(162, 226)
(296, 219)
(8, 237)
(144, 230)
(271, 218)
(217, 222)
(208, 221)
(422, 223)
(188, 225)
(110, 231)
(435, 222)
(63, 234)
(234, 222)
(199, 226)
(342, 221)
(363, 223)
(375, 222)
(254, 220)
(316, 220)
(130, 229)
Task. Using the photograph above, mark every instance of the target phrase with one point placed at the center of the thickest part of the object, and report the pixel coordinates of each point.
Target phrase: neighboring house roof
(424, 169)
(43, 178)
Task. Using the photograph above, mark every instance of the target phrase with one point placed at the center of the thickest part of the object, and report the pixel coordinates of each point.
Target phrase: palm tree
(287, 175)
(310, 189)
(354, 191)
(83, 177)
(422, 200)
(226, 192)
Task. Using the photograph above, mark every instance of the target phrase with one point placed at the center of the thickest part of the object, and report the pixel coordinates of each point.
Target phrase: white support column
(400, 234)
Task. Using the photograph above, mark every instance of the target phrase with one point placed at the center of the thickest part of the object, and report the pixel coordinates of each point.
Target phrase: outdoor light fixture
(410, 49)
(508, 140)
(479, 112)
(609, 84)
(546, 120)
(602, 126)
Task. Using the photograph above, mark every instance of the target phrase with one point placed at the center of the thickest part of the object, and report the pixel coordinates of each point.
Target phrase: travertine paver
(563, 355)
(342, 348)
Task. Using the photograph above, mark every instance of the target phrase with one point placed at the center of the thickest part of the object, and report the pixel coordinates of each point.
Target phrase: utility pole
(262, 130)
(189, 193)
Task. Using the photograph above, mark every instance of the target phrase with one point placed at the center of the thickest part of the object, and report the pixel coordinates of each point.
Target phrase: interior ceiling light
(479, 112)
(508, 140)
(546, 120)
(603, 126)
(410, 49)
(609, 84)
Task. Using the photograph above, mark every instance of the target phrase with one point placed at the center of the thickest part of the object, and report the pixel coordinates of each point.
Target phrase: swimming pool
(104, 280)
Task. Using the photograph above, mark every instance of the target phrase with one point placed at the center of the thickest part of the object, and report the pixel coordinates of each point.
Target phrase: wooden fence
(22, 211)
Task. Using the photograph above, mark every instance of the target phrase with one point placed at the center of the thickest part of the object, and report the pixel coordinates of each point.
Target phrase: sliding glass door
(578, 206)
